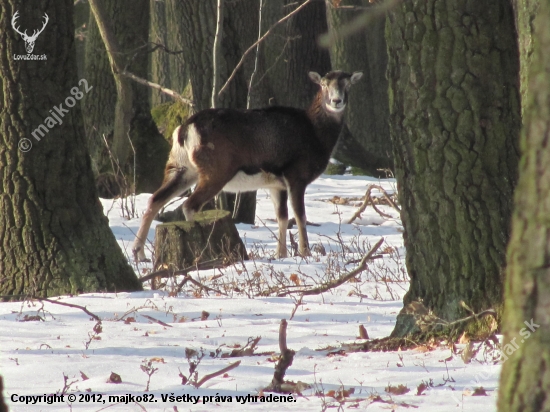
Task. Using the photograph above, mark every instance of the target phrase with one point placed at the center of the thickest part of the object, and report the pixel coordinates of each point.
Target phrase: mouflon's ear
(356, 76)
(315, 77)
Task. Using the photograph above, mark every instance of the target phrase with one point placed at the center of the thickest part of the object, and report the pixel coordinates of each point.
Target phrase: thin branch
(261, 39)
(156, 86)
(216, 54)
(152, 319)
(342, 279)
(218, 373)
(70, 305)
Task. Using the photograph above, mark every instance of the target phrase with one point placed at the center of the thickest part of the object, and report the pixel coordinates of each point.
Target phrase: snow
(36, 355)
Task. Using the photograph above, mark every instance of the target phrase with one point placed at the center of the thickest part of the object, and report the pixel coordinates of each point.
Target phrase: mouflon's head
(335, 86)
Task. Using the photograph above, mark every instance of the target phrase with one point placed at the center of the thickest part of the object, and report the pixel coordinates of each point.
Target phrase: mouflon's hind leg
(175, 185)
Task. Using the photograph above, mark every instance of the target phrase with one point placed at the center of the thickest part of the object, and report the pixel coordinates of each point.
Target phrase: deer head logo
(29, 40)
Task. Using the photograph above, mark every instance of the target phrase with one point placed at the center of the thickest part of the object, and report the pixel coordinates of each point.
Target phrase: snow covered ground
(50, 349)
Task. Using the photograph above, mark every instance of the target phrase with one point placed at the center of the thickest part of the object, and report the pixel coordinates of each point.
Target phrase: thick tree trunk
(130, 20)
(367, 143)
(54, 238)
(454, 121)
(159, 64)
(525, 377)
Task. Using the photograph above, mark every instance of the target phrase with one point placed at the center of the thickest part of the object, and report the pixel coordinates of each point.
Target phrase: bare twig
(218, 373)
(70, 305)
(342, 279)
(216, 54)
(285, 361)
(156, 86)
(261, 39)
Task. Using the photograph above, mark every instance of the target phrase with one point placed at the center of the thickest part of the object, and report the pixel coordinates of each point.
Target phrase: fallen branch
(342, 279)
(152, 319)
(368, 200)
(218, 373)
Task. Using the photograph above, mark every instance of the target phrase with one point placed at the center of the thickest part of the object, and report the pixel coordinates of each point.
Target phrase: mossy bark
(525, 12)
(366, 143)
(54, 238)
(211, 235)
(525, 377)
(454, 121)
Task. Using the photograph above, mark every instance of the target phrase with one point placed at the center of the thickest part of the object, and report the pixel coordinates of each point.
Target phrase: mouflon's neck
(327, 123)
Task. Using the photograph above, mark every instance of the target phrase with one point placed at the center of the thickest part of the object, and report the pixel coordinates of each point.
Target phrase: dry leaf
(157, 359)
(295, 279)
(114, 378)
(204, 315)
(421, 388)
(129, 320)
(83, 376)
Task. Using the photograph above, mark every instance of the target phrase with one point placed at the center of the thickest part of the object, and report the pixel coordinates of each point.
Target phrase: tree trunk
(525, 377)
(525, 11)
(367, 143)
(81, 17)
(54, 238)
(159, 64)
(454, 122)
(211, 235)
(130, 20)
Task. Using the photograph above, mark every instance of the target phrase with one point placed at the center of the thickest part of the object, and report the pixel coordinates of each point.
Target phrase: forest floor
(151, 339)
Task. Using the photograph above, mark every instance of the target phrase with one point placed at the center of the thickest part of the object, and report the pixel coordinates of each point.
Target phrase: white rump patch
(242, 182)
(180, 155)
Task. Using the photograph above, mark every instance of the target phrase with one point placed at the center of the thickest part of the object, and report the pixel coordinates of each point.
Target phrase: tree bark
(130, 22)
(54, 238)
(454, 122)
(525, 377)
(525, 12)
(366, 143)
(159, 60)
(211, 235)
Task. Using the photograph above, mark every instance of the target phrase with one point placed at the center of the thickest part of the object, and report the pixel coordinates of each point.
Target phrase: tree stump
(211, 235)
